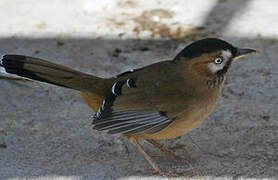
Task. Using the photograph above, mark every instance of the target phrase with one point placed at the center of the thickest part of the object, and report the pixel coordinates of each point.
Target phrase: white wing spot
(127, 83)
(103, 104)
(98, 113)
(113, 88)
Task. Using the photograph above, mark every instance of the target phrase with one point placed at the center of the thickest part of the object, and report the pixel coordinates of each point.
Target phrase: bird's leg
(165, 150)
(147, 157)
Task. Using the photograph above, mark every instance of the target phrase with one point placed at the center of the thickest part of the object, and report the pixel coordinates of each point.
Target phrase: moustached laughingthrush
(160, 101)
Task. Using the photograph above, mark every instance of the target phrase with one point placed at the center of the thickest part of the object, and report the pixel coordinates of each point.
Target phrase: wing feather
(113, 120)
(131, 122)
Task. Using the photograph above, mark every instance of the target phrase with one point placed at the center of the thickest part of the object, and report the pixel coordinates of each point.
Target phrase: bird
(160, 101)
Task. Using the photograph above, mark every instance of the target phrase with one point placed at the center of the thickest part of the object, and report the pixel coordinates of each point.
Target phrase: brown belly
(184, 122)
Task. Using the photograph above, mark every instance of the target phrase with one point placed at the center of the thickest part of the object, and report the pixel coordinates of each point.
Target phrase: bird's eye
(218, 60)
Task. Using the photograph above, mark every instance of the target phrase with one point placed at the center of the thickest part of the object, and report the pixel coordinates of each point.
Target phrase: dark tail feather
(45, 71)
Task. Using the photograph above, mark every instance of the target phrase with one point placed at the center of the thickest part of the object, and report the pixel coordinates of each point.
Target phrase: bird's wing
(130, 108)
(116, 116)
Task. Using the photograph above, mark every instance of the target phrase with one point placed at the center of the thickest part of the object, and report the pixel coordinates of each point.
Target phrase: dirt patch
(157, 23)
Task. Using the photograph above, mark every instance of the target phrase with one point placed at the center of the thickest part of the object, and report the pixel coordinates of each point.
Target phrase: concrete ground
(45, 131)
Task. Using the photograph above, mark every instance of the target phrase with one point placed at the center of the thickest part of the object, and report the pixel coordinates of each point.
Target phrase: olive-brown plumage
(162, 100)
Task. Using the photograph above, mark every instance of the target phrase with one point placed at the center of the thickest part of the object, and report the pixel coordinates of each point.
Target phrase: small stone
(3, 145)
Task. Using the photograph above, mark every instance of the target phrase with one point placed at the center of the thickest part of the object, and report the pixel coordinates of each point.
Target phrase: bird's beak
(243, 52)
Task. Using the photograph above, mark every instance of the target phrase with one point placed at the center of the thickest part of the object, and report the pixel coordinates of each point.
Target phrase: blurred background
(45, 131)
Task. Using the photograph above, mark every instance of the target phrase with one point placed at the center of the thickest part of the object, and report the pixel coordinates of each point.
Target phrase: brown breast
(186, 120)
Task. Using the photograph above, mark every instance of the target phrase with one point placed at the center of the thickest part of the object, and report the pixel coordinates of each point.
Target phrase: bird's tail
(45, 71)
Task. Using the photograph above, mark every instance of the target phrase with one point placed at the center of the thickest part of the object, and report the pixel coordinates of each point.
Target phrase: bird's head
(211, 57)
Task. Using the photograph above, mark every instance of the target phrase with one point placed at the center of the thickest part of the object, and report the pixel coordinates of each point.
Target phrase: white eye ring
(218, 60)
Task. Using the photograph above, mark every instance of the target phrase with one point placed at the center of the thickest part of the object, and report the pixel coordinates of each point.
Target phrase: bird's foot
(168, 152)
